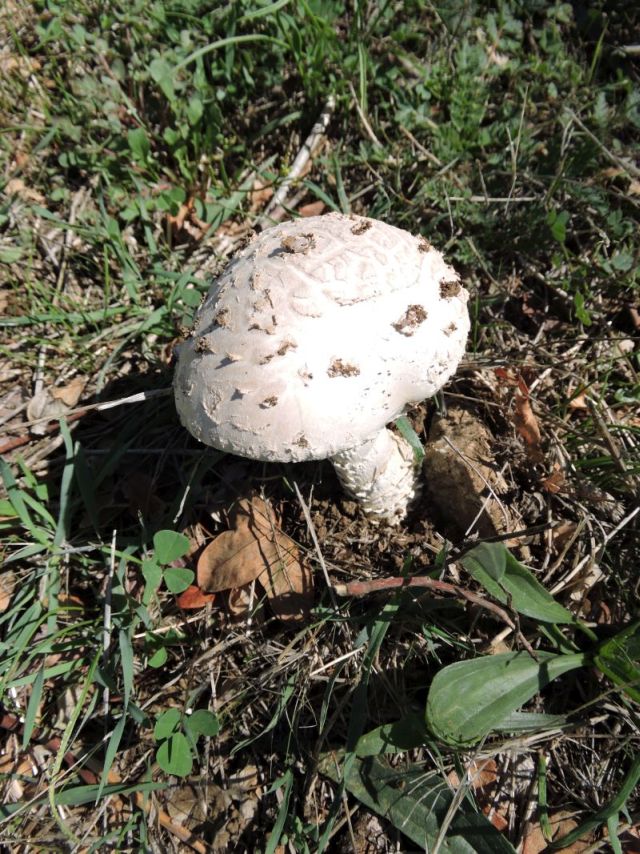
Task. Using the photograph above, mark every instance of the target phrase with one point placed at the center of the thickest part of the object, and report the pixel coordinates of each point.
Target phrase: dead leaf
(257, 549)
(193, 598)
(189, 805)
(239, 602)
(7, 586)
(17, 187)
(481, 775)
(42, 408)
(554, 482)
(71, 393)
(561, 824)
(527, 427)
(578, 402)
(312, 209)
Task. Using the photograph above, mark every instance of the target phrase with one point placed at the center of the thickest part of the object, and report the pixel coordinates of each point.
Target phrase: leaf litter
(257, 549)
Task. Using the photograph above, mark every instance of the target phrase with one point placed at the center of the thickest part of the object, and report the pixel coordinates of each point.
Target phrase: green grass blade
(32, 708)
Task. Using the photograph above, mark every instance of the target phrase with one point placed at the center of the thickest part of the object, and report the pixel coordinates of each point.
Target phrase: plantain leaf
(530, 722)
(417, 803)
(410, 731)
(510, 582)
(617, 656)
(469, 699)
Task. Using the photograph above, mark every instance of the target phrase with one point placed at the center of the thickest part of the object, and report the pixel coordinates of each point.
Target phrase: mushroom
(316, 336)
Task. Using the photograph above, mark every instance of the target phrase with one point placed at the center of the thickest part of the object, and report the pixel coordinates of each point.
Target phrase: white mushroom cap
(319, 333)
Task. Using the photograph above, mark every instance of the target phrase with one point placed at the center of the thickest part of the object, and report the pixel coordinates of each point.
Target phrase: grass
(139, 144)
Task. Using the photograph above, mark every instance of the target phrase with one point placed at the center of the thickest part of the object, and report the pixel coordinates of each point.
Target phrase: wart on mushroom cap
(335, 324)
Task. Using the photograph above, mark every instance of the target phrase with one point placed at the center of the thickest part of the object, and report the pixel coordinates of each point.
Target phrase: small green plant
(176, 734)
(169, 546)
(469, 701)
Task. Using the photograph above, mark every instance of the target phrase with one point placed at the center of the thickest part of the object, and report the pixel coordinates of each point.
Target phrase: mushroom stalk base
(381, 474)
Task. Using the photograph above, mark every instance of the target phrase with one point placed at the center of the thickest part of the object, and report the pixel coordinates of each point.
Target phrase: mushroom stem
(381, 474)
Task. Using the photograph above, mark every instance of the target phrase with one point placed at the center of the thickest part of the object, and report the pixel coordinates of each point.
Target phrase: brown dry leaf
(7, 586)
(258, 550)
(239, 602)
(526, 424)
(188, 805)
(17, 187)
(578, 402)
(71, 393)
(634, 188)
(43, 408)
(561, 824)
(176, 222)
(312, 209)
(193, 598)
(481, 774)
(555, 482)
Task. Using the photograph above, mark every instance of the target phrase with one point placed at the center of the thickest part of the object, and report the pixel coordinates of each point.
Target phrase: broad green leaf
(469, 699)
(152, 573)
(515, 585)
(178, 579)
(174, 755)
(167, 724)
(617, 657)
(138, 144)
(202, 722)
(558, 224)
(169, 546)
(492, 558)
(194, 110)
(162, 73)
(405, 734)
(10, 254)
(158, 658)
(529, 722)
(417, 803)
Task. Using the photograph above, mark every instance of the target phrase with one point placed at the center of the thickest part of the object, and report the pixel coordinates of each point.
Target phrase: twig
(275, 210)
